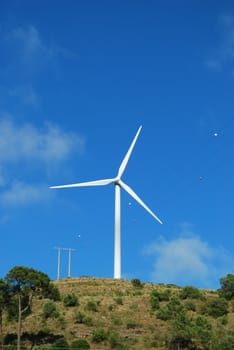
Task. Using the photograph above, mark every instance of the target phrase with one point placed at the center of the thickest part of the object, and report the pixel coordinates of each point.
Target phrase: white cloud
(31, 48)
(225, 52)
(188, 260)
(23, 194)
(27, 142)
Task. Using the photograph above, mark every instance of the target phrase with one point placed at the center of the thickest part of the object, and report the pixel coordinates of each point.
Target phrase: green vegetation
(113, 314)
(70, 300)
(91, 306)
(227, 287)
(137, 283)
(99, 335)
(80, 344)
(190, 292)
(216, 307)
(49, 309)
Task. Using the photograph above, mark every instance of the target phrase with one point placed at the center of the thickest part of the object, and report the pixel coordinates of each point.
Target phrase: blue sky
(77, 79)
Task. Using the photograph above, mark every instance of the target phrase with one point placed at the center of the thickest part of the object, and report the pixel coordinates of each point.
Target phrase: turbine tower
(117, 181)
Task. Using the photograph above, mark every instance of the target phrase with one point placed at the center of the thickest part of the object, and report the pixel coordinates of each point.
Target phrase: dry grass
(120, 306)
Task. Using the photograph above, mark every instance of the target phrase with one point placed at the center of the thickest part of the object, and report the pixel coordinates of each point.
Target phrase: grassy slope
(133, 319)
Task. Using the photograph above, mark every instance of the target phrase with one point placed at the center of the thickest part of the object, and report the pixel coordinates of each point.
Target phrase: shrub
(60, 343)
(61, 321)
(227, 287)
(154, 299)
(164, 314)
(216, 307)
(82, 318)
(119, 300)
(170, 310)
(70, 300)
(117, 321)
(91, 305)
(190, 305)
(114, 339)
(52, 293)
(49, 309)
(156, 296)
(99, 335)
(80, 344)
(137, 283)
(191, 292)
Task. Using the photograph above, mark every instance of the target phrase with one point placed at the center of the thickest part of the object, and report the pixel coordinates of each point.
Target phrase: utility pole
(69, 260)
(58, 269)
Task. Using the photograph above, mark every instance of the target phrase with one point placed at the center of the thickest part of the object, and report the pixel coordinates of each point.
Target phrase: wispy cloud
(224, 54)
(188, 260)
(27, 142)
(28, 43)
(24, 194)
(2, 177)
(31, 48)
(25, 93)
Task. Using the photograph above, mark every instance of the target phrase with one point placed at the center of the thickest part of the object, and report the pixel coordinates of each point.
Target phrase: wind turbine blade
(89, 183)
(135, 196)
(128, 154)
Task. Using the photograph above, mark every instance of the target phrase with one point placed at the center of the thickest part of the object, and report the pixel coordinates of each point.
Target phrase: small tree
(24, 283)
(227, 287)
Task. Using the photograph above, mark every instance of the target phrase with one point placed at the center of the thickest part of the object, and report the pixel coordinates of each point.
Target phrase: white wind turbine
(118, 184)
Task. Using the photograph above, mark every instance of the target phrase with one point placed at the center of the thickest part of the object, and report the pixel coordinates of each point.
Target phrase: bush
(119, 300)
(217, 307)
(156, 296)
(70, 300)
(99, 335)
(164, 314)
(190, 305)
(191, 292)
(170, 311)
(60, 344)
(114, 339)
(49, 309)
(91, 305)
(52, 293)
(117, 320)
(137, 283)
(80, 344)
(82, 318)
(227, 287)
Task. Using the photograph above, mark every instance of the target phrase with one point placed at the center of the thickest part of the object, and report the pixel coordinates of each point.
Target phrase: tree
(4, 301)
(24, 283)
(227, 287)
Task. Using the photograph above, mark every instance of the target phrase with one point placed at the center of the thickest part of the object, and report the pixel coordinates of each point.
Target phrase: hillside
(122, 314)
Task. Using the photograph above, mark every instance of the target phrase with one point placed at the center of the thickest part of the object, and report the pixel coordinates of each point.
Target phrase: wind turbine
(117, 181)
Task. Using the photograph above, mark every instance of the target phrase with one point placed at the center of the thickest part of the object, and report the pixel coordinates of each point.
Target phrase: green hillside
(122, 314)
